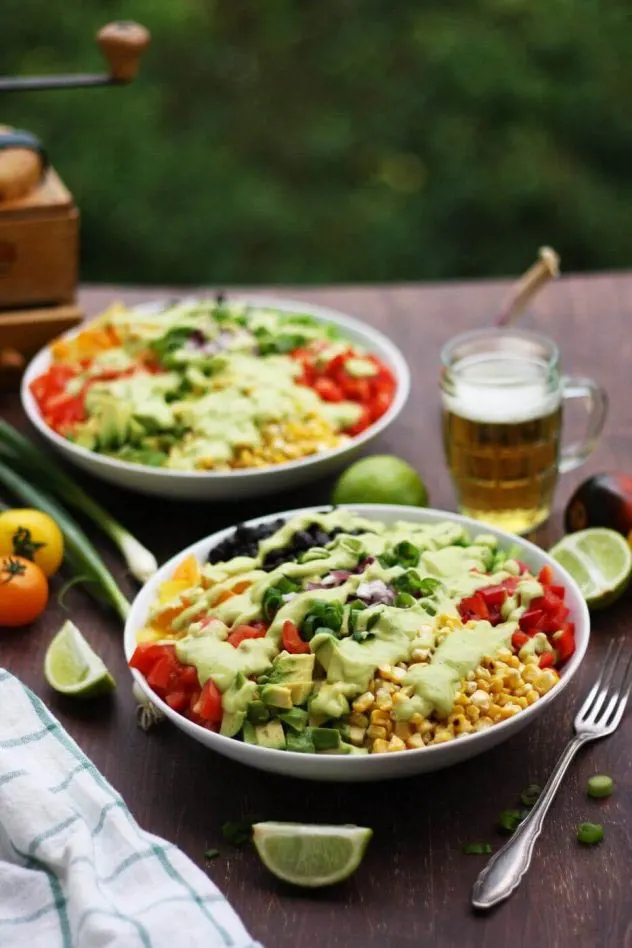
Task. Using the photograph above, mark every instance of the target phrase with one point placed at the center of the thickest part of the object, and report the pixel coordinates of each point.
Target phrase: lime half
(73, 668)
(380, 479)
(600, 562)
(311, 855)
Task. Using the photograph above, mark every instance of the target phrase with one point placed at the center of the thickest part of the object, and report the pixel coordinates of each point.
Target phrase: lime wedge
(72, 668)
(600, 562)
(311, 855)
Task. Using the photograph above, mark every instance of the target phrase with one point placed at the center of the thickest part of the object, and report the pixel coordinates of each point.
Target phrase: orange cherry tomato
(23, 591)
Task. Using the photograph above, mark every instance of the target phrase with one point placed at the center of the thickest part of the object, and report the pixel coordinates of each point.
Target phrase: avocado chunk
(114, 418)
(257, 712)
(235, 702)
(278, 696)
(249, 732)
(300, 690)
(287, 667)
(325, 738)
(270, 735)
(301, 743)
(329, 702)
(295, 719)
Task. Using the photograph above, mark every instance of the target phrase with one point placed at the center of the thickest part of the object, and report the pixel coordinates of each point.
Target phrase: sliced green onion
(477, 849)
(510, 820)
(600, 786)
(590, 833)
(530, 794)
(79, 553)
(37, 466)
(237, 833)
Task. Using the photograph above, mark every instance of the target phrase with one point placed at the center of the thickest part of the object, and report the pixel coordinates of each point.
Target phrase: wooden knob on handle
(123, 44)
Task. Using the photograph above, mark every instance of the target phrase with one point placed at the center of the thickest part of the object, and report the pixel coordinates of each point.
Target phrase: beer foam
(503, 390)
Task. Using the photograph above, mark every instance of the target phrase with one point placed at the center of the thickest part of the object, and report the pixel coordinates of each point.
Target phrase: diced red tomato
(558, 591)
(243, 632)
(163, 673)
(531, 621)
(523, 566)
(547, 660)
(146, 655)
(188, 678)
(292, 642)
(328, 390)
(563, 641)
(493, 595)
(518, 639)
(178, 700)
(473, 607)
(209, 705)
(511, 584)
(334, 383)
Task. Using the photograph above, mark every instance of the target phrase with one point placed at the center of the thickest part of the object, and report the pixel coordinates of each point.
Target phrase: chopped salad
(211, 385)
(333, 633)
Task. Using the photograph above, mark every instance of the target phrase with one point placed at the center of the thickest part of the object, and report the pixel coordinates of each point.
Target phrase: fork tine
(624, 692)
(605, 674)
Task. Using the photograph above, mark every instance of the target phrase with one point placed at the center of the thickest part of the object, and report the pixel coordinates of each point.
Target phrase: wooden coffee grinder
(39, 223)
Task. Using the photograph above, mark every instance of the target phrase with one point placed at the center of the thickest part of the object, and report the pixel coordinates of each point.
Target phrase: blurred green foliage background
(308, 141)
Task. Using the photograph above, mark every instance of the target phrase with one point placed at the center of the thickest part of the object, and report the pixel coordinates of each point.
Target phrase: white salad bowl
(232, 485)
(373, 766)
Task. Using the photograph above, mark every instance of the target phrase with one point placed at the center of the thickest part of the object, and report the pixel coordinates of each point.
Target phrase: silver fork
(599, 716)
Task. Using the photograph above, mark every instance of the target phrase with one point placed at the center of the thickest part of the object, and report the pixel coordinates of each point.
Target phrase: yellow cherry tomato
(33, 535)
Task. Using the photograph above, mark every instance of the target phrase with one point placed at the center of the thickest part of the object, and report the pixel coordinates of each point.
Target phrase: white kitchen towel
(76, 870)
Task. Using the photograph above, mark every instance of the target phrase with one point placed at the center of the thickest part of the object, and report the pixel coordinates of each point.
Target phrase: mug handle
(576, 453)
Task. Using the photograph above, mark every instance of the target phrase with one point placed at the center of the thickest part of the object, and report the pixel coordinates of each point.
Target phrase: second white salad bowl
(373, 766)
(232, 485)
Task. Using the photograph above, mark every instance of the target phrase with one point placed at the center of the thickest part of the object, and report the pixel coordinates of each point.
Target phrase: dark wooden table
(414, 885)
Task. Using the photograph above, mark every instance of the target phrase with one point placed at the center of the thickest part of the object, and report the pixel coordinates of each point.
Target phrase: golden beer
(502, 397)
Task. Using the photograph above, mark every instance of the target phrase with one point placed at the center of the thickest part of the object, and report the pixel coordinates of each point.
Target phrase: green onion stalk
(34, 464)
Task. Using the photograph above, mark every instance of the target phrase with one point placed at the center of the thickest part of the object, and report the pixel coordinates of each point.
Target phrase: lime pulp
(308, 854)
(71, 666)
(600, 562)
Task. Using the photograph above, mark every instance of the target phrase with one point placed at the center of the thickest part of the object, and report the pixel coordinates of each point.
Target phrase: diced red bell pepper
(177, 700)
(531, 620)
(511, 584)
(547, 660)
(243, 632)
(523, 566)
(563, 641)
(209, 705)
(558, 591)
(146, 655)
(518, 639)
(493, 595)
(361, 424)
(545, 576)
(292, 641)
(473, 607)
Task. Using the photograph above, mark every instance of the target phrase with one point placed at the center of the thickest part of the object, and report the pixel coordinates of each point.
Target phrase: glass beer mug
(503, 397)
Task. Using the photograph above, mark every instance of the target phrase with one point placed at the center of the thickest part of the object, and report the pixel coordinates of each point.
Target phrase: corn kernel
(380, 746)
(532, 696)
(402, 729)
(364, 702)
(426, 727)
(416, 718)
(384, 702)
(461, 700)
(415, 741)
(359, 720)
(396, 744)
(496, 685)
(480, 699)
(442, 735)
(375, 732)
(380, 717)
(472, 712)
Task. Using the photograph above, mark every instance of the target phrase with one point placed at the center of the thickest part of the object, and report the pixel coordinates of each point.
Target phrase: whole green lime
(380, 479)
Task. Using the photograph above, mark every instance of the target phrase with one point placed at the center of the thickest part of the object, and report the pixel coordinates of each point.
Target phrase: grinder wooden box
(39, 241)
